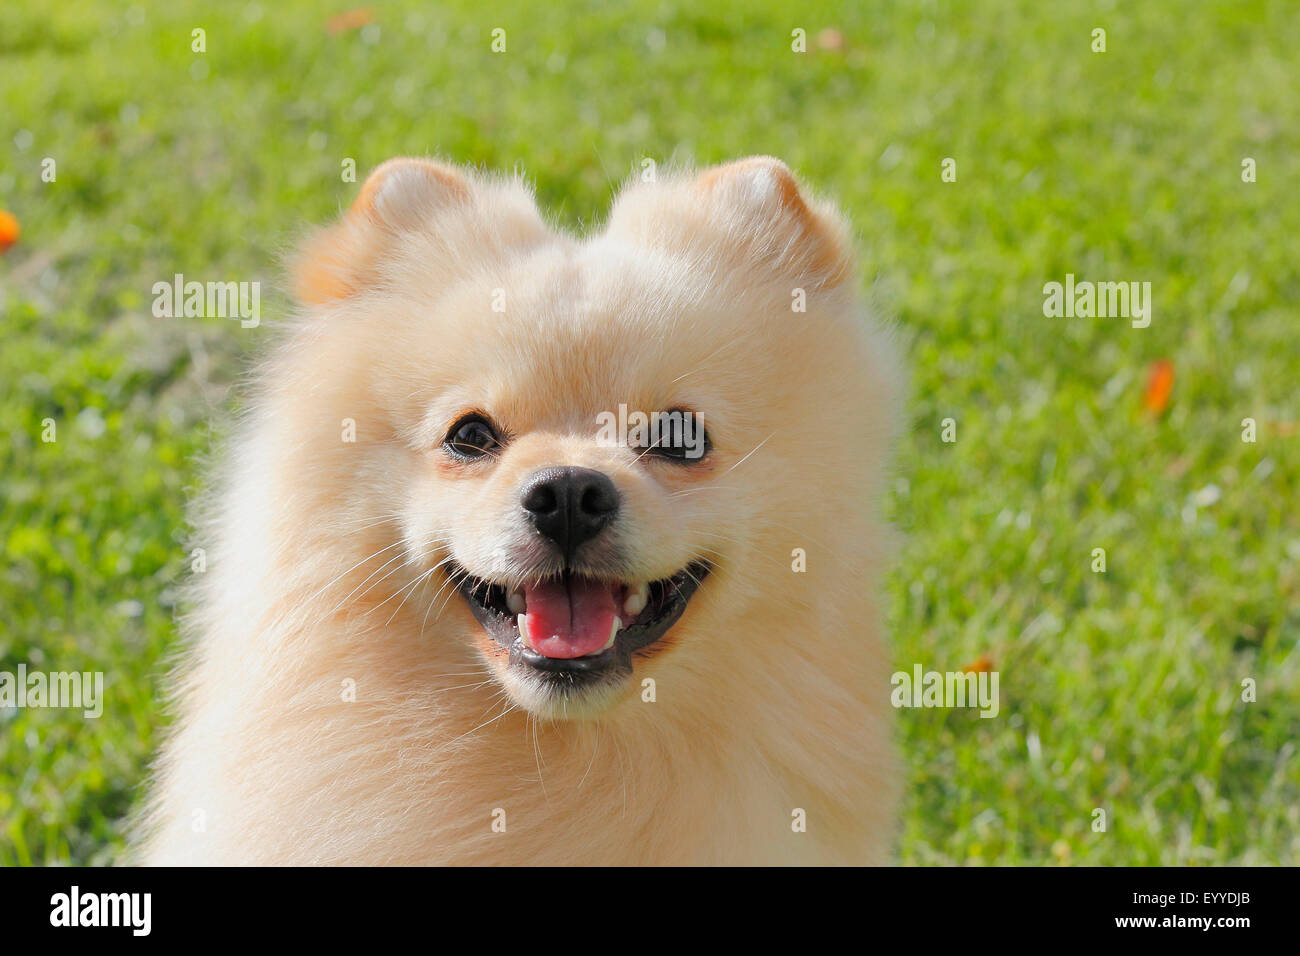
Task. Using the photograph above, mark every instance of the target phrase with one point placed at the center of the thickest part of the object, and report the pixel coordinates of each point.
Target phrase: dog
(452, 614)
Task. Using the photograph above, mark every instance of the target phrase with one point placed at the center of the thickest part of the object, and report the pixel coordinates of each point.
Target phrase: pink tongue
(570, 621)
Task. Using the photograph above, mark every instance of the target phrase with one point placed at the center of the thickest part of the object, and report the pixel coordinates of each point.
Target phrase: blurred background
(1121, 690)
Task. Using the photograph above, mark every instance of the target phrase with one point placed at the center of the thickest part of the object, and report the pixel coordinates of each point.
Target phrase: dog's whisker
(696, 491)
(443, 690)
(747, 457)
(510, 706)
(353, 568)
(595, 745)
(371, 522)
(350, 597)
(410, 589)
(453, 581)
(727, 344)
(343, 603)
(537, 756)
(409, 585)
(649, 449)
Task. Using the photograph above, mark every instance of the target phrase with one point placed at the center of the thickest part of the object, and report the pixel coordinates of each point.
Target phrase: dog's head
(593, 459)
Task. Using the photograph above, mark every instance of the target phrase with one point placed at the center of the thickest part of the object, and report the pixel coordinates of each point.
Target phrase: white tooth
(515, 601)
(613, 631)
(523, 630)
(634, 603)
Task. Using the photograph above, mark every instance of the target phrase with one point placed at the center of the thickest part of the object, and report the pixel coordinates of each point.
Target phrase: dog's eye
(680, 437)
(678, 453)
(472, 437)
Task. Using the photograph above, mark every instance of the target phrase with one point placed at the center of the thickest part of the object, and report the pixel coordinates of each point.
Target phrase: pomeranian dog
(534, 549)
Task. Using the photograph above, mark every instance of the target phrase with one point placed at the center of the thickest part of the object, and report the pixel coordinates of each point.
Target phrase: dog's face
(597, 456)
(573, 538)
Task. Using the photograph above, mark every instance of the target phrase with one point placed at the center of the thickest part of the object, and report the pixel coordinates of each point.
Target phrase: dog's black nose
(570, 505)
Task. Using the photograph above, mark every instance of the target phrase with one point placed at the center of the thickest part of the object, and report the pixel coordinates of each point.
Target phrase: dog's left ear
(751, 211)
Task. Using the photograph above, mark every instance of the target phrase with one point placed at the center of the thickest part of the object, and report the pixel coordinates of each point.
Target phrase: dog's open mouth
(571, 623)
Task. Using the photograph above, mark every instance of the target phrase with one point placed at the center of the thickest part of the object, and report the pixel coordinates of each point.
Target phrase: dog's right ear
(411, 198)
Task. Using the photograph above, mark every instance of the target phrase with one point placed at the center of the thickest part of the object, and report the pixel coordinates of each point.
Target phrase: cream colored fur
(771, 693)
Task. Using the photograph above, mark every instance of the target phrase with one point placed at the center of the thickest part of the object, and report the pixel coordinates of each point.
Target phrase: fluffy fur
(771, 692)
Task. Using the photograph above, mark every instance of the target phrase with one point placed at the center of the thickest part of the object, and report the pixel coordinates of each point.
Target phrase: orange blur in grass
(1160, 385)
(349, 20)
(9, 229)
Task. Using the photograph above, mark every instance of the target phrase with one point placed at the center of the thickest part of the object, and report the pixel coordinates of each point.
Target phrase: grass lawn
(1120, 691)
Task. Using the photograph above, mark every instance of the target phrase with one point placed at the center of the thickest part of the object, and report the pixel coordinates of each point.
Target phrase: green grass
(1120, 691)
